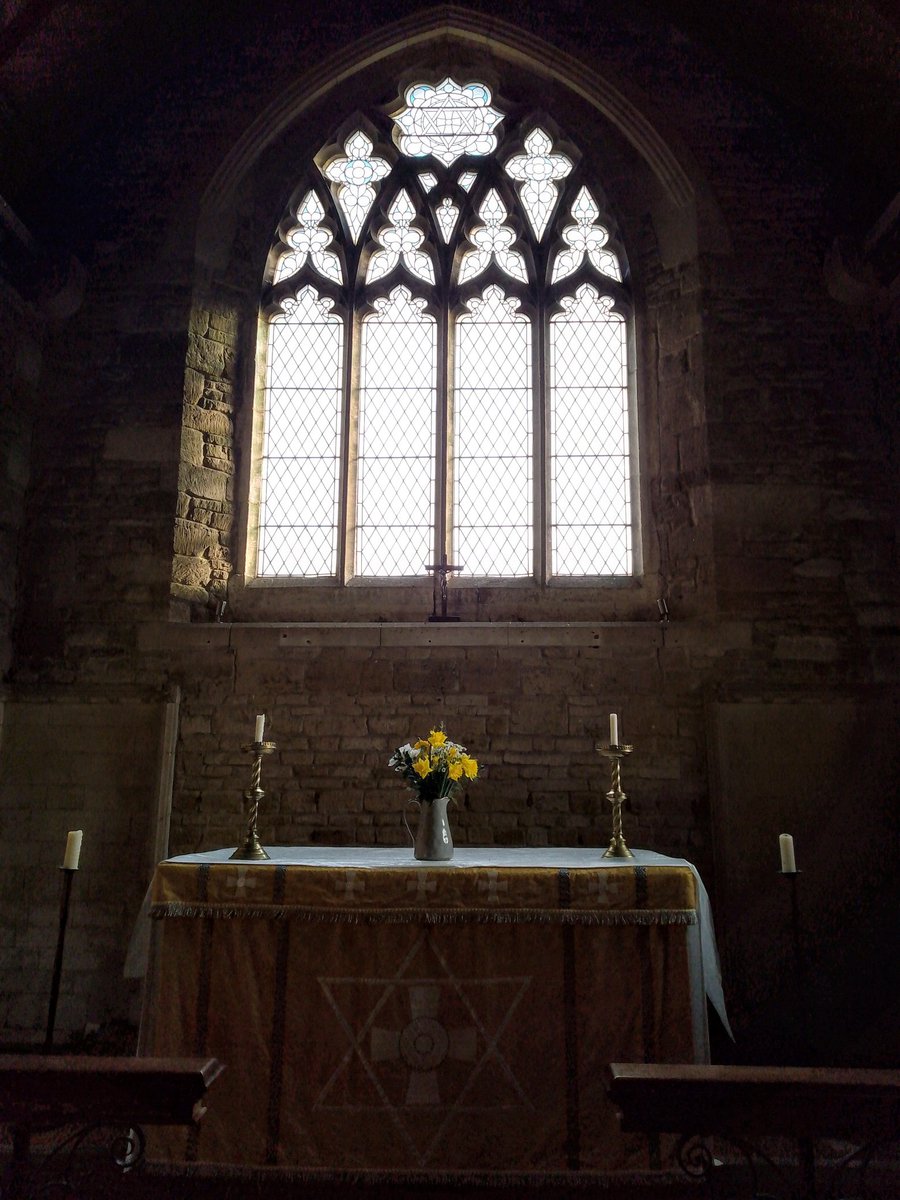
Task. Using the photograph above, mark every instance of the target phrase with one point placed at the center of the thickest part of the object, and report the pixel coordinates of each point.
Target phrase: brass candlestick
(616, 797)
(252, 848)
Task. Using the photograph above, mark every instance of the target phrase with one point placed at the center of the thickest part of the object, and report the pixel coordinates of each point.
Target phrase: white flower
(403, 756)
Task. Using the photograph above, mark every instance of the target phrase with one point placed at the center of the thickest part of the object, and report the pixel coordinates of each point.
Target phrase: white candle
(73, 849)
(613, 729)
(786, 846)
(260, 727)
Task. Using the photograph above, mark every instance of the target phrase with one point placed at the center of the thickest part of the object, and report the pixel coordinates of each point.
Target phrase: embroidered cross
(610, 885)
(421, 886)
(492, 887)
(350, 884)
(242, 881)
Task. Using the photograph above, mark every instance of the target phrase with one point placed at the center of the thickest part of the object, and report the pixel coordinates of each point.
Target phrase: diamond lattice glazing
(300, 469)
(492, 450)
(589, 453)
(396, 451)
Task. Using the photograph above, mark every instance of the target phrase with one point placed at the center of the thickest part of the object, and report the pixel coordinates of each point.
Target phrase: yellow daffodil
(434, 766)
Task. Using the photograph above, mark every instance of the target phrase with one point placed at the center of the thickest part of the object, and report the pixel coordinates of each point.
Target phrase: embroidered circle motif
(424, 1044)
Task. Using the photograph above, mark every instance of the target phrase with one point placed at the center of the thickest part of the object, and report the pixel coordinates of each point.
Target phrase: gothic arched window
(446, 334)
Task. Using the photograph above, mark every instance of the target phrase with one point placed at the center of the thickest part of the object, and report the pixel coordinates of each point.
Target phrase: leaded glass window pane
(492, 451)
(356, 176)
(447, 121)
(416, 438)
(493, 240)
(590, 485)
(585, 238)
(300, 469)
(537, 169)
(446, 214)
(310, 242)
(397, 424)
(400, 242)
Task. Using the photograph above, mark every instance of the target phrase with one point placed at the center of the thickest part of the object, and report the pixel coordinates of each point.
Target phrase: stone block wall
(529, 704)
(66, 764)
(21, 343)
(768, 430)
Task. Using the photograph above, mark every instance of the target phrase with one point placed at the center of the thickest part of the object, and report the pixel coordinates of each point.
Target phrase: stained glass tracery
(310, 241)
(537, 170)
(446, 214)
(585, 238)
(356, 174)
(447, 121)
(377, 451)
(493, 240)
(400, 242)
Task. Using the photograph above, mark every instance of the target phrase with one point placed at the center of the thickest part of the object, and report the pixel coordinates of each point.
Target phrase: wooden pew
(741, 1104)
(50, 1092)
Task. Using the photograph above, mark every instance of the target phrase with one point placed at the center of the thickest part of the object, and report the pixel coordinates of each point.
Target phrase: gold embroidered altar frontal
(419, 1017)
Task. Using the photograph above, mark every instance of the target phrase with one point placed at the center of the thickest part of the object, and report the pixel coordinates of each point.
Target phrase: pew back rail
(741, 1105)
(84, 1095)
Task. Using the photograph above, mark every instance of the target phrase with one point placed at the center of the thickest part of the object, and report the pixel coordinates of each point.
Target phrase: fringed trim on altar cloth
(613, 1181)
(428, 916)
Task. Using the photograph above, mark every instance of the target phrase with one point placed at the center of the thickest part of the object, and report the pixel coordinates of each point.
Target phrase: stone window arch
(652, 202)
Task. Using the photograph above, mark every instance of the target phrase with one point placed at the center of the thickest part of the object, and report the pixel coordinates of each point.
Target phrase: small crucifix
(442, 569)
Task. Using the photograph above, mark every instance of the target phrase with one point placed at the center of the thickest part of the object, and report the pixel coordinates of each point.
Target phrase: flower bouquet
(433, 767)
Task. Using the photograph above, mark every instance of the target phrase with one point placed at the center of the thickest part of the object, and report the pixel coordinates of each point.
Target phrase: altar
(375, 1012)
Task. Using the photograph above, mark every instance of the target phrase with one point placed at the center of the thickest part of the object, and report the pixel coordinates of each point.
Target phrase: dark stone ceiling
(77, 74)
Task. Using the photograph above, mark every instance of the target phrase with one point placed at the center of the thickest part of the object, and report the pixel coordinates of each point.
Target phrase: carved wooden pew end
(85, 1094)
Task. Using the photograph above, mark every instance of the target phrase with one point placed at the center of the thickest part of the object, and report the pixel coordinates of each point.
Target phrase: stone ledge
(165, 636)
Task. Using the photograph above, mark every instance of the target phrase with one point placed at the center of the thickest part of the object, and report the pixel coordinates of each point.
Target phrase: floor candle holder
(617, 846)
(68, 874)
(803, 1040)
(252, 848)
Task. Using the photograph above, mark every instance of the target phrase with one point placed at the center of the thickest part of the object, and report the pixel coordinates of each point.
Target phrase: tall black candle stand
(801, 970)
(65, 896)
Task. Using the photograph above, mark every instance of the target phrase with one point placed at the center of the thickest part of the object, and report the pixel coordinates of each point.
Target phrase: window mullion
(349, 442)
(444, 431)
